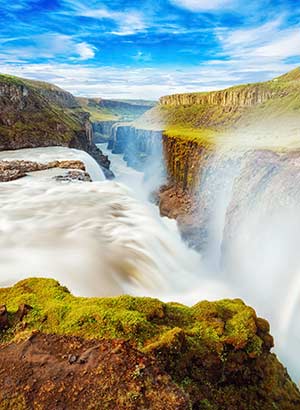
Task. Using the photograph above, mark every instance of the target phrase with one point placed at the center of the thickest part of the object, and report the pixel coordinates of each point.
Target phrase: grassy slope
(96, 112)
(40, 120)
(114, 110)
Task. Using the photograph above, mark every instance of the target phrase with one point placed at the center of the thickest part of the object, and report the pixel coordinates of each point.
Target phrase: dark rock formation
(4, 324)
(74, 176)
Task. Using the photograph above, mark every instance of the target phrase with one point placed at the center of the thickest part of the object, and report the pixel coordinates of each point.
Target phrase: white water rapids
(104, 238)
(96, 238)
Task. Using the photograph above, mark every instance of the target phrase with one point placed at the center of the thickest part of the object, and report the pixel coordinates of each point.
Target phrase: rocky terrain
(11, 170)
(36, 114)
(134, 353)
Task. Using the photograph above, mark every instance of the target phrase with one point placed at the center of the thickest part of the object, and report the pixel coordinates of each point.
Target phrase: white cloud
(287, 45)
(127, 22)
(50, 45)
(262, 47)
(202, 5)
(85, 51)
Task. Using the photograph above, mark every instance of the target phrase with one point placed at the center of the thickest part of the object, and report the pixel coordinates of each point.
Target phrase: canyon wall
(36, 114)
(138, 145)
(102, 130)
(241, 96)
(206, 134)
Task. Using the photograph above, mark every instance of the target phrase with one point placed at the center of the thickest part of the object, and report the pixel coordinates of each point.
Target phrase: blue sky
(148, 48)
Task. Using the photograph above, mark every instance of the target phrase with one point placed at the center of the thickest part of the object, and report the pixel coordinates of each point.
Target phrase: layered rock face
(242, 96)
(36, 114)
(214, 355)
(102, 130)
(200, 127)
(12, 170)
(138, 145)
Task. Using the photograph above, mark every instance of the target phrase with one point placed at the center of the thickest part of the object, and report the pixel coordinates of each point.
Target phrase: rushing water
(97, 238)
(104, 238)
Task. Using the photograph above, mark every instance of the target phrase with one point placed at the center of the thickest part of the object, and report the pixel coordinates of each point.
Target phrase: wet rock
(4, 324)
(22, 311)
(74, 176)
(12, 170)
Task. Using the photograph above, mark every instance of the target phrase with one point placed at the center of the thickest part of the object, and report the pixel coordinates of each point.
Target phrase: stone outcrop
(11, 170)
(214, 355)
(36, 114)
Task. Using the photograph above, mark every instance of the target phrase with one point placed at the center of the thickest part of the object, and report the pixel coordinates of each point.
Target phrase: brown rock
(107, 374)
(3, 318)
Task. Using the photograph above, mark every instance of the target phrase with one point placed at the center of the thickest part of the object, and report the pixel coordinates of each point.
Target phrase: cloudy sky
(148, 48)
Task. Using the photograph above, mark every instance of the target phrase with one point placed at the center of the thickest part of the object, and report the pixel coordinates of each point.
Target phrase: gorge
(234, 193)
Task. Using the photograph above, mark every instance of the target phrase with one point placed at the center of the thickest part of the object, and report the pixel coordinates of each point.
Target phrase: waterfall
(252, 199)
(104, 238)
(100, 238)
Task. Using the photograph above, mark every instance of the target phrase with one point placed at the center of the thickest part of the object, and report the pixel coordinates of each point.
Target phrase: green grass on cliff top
(11, 79)
(96, 112)
(277, 121)
(147, 322)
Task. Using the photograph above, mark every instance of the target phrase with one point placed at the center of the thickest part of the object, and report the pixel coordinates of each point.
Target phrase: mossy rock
(215, 350)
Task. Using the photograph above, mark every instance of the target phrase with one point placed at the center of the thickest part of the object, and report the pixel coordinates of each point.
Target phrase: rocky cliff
(103, 130)
(36, 114)
(199, 125)
(138, 145)
(104, 114)
(133, 353)
(242, 96)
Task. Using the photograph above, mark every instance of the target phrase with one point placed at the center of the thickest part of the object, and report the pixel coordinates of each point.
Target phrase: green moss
(208, 349)
(144, 320)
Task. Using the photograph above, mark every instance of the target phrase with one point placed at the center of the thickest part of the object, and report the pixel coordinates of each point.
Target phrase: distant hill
(114, 110)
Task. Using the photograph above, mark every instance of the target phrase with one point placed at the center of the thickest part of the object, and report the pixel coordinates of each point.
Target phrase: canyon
(225, 165)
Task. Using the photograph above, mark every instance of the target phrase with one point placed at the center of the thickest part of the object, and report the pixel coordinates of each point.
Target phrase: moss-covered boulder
(218, 352)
